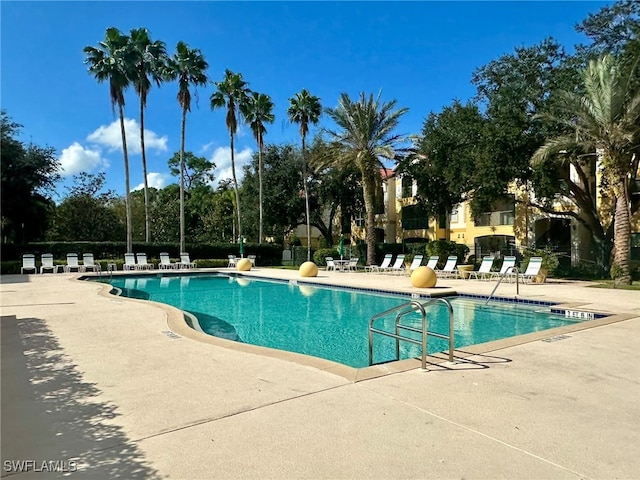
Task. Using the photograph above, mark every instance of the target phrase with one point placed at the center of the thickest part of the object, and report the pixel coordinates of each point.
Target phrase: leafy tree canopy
(198, 171)
(29, 175)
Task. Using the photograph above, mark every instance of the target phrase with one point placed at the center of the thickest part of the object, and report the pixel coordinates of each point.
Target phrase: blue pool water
(327, 322)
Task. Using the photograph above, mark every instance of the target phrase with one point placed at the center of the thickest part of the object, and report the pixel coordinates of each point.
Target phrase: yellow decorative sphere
(423, 277)
(308, 269)
(243, 282)
(244, 265)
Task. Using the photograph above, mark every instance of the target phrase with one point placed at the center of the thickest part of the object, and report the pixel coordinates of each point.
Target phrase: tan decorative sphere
(244, 265)
(308, 269)
(243, 282)
(423, 277)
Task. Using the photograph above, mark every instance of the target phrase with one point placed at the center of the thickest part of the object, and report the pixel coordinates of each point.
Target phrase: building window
(414, 217)
(503, 214)
(454, 214)
(407, 186)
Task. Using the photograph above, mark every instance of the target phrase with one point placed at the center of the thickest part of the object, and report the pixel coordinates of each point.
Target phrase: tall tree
(258, 111)
(188, 66)
(305, 109)
(87, 213)
(29, 174)
(282, 185)
(606, 123)
(232, 93)
(367, 136)
(333, 189)
(197, 170)
(149, 60)
(111, 62)
(445, 164)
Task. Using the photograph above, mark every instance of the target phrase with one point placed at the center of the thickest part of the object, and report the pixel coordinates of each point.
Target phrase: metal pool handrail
(403, 310)
(502, 277)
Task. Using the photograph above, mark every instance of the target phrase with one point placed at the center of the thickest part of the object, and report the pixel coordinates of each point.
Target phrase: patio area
(111, 388)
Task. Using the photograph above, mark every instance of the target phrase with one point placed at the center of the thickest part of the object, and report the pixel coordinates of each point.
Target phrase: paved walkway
(107, 388)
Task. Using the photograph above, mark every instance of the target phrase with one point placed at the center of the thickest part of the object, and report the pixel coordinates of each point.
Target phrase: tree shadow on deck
(50, 414)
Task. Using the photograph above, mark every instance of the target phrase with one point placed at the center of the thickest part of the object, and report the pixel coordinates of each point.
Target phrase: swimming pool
(329, 323)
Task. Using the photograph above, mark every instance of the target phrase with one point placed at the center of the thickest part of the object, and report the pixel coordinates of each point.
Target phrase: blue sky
(420, 53)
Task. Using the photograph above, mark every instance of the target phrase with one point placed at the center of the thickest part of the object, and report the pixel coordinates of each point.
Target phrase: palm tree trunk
(182, 131)
(308, 214)
(147, 224)
(370, 234)
(127, 180)
(260, 185)
(235, 186)
(306, 199)
(622, 233)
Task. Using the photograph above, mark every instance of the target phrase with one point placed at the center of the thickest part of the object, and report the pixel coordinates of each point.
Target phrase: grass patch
(610, 284)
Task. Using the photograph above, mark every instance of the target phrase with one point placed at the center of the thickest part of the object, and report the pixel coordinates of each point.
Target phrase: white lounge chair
(46, 260)
(73, 264)
(398, 265)
(415, 263)
(165, 262)
(386, 261)
(433, 262)
(141, 263)
(331, 265)
(28, 263)
(484, 271)
(252, 259)
(129, 261)
(352, 266)
(532, 271)
(89, 263)
(507, 266)
(185, 261)
(233, 261)
(449, 269)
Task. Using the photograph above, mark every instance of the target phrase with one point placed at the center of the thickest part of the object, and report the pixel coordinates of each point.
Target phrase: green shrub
(615, 272)
(446, 248)
(320, 254)
(550, 260)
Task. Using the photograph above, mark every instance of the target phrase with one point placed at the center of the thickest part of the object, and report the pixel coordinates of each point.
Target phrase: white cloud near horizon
(155, 180)
(222, 158)
(109, 136)
(76, 158)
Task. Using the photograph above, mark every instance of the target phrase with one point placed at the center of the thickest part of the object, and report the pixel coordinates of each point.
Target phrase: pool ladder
(402, 311)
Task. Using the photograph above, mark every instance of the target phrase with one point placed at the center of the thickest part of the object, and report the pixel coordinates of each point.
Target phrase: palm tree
(257, 112)
(188, 66)
(110, 62)
(367, 137)
(232, 93)
(149, 59)
(605, 121)
(304, 109)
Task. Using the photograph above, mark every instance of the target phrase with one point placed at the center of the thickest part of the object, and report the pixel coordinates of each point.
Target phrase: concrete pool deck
(106, 383)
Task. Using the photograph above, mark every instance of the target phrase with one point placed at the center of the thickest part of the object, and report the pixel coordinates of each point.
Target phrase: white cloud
(76, 158)
(109, 136)
(205, 148)
(222, 158)
(155, 180)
